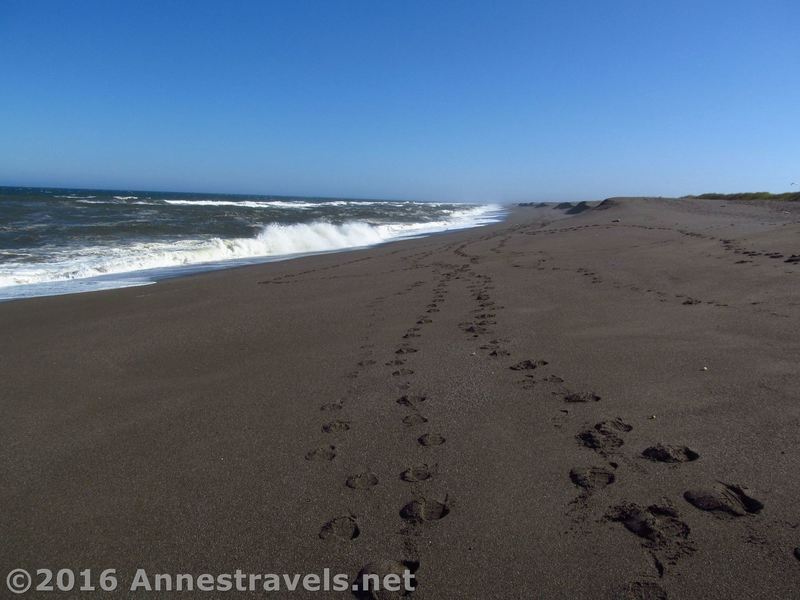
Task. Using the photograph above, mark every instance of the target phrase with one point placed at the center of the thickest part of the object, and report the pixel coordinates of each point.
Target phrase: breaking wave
(272, 240)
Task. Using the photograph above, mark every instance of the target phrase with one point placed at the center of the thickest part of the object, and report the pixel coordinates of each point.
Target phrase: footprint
(548, 379)
(653, 523)
(658, 527)
(411, 401)
(592, 478)
(331, 406)
(401, 372)
(476, 329)
(581, 397)
(724, 498)
(670, 454)
(422, 510)
(604, 437)
(366, 363)
(373, 574)
(362, 481)
(322, 453)
(336, 426)
(340, 528)
(415, 419)
(527, 365)
(640, 590)
(404, 349)
(417, 473)
(431, 439)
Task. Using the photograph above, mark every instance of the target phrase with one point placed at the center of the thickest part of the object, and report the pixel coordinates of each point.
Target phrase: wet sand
(575, 403)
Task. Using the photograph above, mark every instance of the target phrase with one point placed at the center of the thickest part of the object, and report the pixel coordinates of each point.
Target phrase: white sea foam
(245, 203)
(128, 200)
(273, 240)
(288, 203)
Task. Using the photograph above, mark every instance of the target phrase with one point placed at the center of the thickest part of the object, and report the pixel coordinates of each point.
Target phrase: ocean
(60, 241)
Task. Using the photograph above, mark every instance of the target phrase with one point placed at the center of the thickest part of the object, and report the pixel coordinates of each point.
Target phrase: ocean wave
(300, 204)
(273, 240)
(126, 197)
(244, 203)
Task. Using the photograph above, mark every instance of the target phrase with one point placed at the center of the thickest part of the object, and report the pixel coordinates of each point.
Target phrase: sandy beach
(597, 403)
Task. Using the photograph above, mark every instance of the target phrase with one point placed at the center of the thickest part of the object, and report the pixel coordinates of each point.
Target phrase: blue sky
(500, 101)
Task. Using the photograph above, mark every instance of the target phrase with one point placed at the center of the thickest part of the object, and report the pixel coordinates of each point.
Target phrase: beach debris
(704, 369)
(670, 454)
(797, 553)
(724, 498)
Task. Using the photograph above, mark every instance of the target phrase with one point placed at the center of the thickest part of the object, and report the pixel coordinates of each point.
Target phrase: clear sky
(500, 101)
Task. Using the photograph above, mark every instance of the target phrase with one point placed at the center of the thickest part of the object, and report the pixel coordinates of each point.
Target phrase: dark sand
(167, 427)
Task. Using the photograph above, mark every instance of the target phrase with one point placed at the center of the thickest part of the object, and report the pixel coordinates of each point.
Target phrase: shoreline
(482, 402)
(143, 277)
